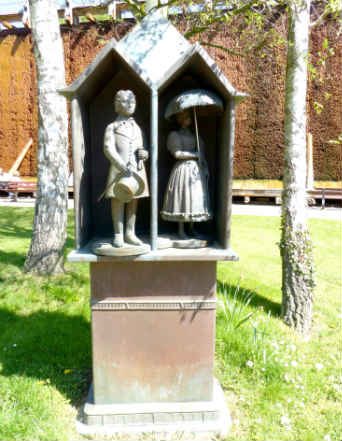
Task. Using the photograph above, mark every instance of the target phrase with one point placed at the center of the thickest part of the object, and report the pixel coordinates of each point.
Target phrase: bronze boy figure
(127, 180)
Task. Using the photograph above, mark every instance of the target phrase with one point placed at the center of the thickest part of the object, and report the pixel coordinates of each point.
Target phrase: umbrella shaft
(196, 130)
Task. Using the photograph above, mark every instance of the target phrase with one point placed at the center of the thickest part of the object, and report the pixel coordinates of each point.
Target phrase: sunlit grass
(44, 331)
(279, 385)
(282, 386)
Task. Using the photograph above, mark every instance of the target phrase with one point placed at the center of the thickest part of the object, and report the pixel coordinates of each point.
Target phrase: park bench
(26, 187)
(16, 187)
(314, 195)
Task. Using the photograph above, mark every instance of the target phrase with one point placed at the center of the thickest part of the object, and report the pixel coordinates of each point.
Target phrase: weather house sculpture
(153, 269)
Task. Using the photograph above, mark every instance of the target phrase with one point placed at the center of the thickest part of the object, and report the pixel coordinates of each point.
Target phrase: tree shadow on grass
(70, 243)
(10, 231)
(50, 346)
(11, 215)
(18, 258)
(55, 347)
(12, 258)
(257, 300)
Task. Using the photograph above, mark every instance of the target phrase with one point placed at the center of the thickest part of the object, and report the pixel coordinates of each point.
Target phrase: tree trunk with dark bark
(296, 250)
(45, 255)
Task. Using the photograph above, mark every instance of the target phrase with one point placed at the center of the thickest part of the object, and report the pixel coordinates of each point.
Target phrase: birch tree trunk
(296, 251)
(45, 255)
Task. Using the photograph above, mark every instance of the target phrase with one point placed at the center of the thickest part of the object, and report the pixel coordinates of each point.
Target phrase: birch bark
(45, 255)
(297, 261)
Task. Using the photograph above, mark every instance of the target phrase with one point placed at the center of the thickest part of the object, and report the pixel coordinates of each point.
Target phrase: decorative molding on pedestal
(152, 305)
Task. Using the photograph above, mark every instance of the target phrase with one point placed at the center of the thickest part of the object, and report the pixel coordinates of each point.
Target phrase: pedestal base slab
(189, 417)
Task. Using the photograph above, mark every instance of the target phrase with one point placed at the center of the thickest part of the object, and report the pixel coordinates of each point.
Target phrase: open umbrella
(195, 99)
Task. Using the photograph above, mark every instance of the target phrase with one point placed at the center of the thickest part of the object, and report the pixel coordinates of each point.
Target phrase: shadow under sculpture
(127, 179)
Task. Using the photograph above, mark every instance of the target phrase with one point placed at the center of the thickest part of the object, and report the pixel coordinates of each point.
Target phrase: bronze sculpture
(186, 197)
(127, 180)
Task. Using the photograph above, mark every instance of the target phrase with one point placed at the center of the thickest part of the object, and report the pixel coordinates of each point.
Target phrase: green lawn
(279, 385)
(294, 380)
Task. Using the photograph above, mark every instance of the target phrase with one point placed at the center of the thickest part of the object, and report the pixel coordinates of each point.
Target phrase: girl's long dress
(186, 198)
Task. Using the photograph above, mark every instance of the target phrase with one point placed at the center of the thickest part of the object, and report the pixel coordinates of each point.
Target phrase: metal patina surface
(214, 253)
(105, 248)
(153, 47)
(153, 315)
(193, 98)
(154, 60)
(187, 420)
(153, 331)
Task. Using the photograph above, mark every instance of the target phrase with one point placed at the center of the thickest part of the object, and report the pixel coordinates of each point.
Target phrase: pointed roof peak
(153, 45)
(157, 52)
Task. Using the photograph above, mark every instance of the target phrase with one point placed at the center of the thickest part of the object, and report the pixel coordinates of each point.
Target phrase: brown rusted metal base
(153, 331)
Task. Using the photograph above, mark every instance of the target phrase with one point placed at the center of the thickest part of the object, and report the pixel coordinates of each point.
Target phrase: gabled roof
(157, 53)
(92, 73)
(201, 63)
(154, 46)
